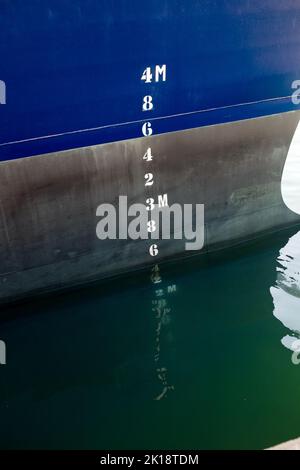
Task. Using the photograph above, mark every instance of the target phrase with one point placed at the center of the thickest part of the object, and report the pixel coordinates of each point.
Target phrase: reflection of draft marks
(161, 308)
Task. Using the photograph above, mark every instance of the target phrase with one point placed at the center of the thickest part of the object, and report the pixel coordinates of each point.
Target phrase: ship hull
(215, 81)
(48, 203)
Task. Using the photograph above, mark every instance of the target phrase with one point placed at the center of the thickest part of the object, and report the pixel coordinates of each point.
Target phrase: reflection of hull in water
(48, 218)
(286, 292)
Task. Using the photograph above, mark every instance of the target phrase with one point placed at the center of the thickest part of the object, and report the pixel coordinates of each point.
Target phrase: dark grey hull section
(48, 203)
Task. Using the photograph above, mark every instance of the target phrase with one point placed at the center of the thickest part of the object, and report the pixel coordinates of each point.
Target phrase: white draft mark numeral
(149, 179)
(160, 74)
(148, 155)
(148, 103)
(147, 129)
(153, 250)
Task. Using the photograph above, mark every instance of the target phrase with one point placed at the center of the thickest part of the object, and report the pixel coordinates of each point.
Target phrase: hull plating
(48, 203)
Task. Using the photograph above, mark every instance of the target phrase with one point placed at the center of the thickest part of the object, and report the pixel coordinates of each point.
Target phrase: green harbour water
(194, 355)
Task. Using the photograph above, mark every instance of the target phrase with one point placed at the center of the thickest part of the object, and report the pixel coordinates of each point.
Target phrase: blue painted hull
(72, 68)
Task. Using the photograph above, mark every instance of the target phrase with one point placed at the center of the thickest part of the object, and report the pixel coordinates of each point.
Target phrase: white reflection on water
(290, 182)
(286, 292)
